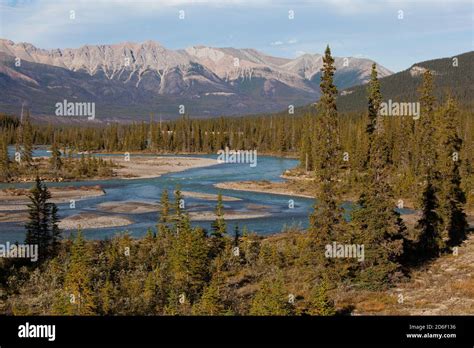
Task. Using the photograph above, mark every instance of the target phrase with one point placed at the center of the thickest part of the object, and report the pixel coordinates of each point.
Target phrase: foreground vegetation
(174, 270)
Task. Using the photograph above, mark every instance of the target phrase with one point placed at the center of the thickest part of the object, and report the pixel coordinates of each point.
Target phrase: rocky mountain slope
(131, 80)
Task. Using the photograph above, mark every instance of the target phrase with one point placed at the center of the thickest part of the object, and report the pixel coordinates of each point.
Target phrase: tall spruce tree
(375, 98)
(325, 221)
(327, 141)
(425, 129)
(41, 228)
(26, 130)
(378, 226)
(429, 239)
(453, 198)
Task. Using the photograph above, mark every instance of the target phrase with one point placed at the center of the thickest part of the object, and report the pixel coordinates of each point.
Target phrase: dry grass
(443, 287)
(464, 287)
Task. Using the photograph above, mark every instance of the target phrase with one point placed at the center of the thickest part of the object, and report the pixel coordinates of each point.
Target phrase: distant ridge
(131, 80)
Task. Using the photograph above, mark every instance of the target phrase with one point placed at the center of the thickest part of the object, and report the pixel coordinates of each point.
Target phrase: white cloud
(38, 21)
(352, 7)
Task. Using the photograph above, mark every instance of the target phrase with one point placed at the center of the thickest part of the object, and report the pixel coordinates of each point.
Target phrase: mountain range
(131, 80)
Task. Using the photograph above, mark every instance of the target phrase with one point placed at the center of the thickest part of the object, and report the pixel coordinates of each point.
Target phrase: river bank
(286, 188)
(135, 167)
(14, 201)
(114, 167)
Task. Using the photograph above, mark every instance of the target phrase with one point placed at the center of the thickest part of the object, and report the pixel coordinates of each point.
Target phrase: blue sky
(362, 28)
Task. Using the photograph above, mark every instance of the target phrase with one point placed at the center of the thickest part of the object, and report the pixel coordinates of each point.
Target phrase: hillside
(403, 86)
(443, 287)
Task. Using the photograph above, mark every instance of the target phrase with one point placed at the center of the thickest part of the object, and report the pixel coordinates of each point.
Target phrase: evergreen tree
(106, 297)
(325, 221)
(377, 225)
(177, 304)
(78, 280)
(27, 138)
(165, 234)
(83, 169)
(178, 209)
(271, 299)
(150, 293)
(306, 153)
(55, 160)
(56, 233)
(219, 225)
(454, 224)
(425, 131)
(374, 100)
(219, 229)
(164, 207)
(165, 240)
(236, 235)
(428, 227)
(327, 150)
(429, 241)
(36, 209)
(210, 302)
(320, 302)
(189, 260)
(4, 160)
(38, 227)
